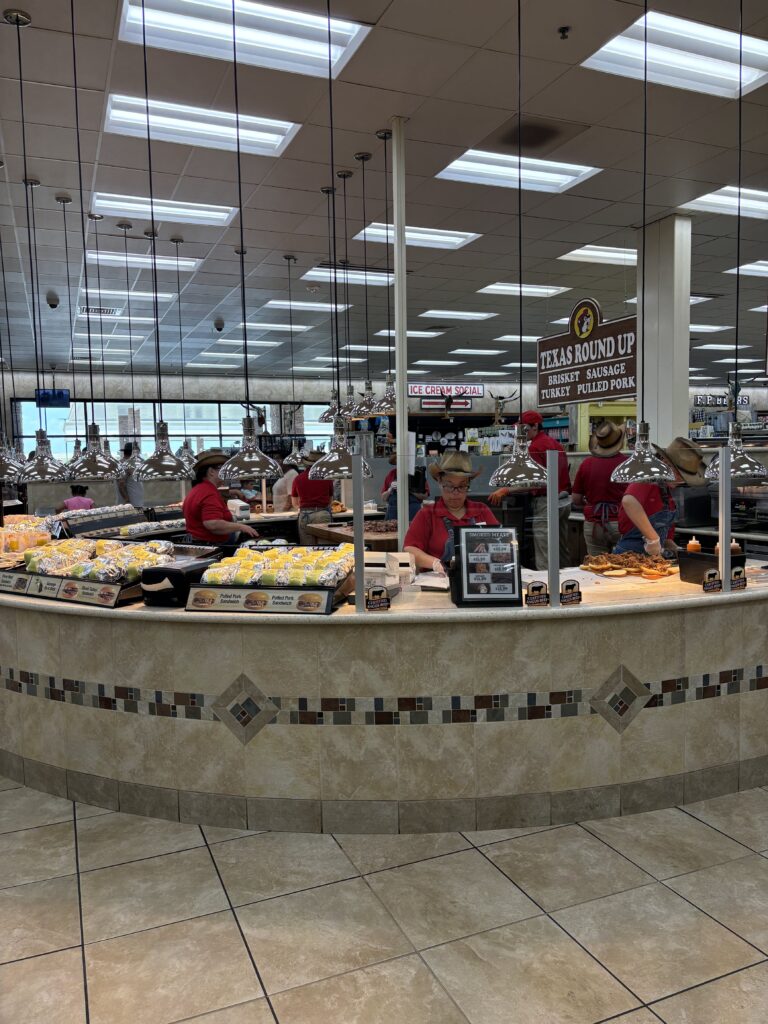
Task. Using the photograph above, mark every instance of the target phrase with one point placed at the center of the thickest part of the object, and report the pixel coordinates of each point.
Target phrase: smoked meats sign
(593, 362)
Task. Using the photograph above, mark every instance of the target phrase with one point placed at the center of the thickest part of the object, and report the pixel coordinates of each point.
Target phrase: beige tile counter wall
(452, 719)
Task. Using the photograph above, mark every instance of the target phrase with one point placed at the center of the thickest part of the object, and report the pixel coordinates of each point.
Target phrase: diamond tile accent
(244, 709)
(621, 698)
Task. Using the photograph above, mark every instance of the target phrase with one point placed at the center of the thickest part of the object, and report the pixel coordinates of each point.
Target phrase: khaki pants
(315, 515)
(601, 539)
(539, 508)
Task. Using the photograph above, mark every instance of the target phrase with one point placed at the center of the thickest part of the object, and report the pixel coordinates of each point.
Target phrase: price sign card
(488, 570)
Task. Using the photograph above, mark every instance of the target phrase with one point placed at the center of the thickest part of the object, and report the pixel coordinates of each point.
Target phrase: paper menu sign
(245, 599)
(489, 564)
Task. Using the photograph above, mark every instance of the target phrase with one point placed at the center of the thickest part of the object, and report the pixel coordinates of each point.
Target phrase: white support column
(667, 327)
(401, 325)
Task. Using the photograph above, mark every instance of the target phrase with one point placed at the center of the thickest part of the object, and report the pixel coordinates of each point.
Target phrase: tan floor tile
(636, 1017)
(37, 853)
(169, 973)
(150, 893)
(311, 935)
(38, 918)
(735, 894)
(742, 816)
(498, 835)
(397, 992)
(256, 1011)
(85, 811)
(223, 835)
(26, 808)
(375, 853)
(741, 998)
(8, 784)
(667, 842)
(654, 941)
(120, 838)
(276, 863)
(43, 990)
(532, 966)
(443, 899)
(565, 866)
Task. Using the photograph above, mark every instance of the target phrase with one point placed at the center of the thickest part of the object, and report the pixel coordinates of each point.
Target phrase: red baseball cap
(532, 418)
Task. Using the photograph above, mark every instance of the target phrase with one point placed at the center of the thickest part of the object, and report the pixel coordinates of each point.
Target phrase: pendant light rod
(345, 176)
(520, 199)
(332, 193)
(7, 328)
(332, 294)
(33, 184)
(738, 215)
(153, 229)
(363, 159)
(64, 200)
(241, 251)
(384, 135)
(2, 351)
(645, 207)
(125, 226)
(177, 241)
(290, 260)
(95, 218)
(82, 200)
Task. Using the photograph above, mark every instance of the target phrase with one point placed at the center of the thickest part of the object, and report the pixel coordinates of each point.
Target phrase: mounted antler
(499, 401)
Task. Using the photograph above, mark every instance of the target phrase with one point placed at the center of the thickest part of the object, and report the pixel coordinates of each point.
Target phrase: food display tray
(113, 533)
(270, 600)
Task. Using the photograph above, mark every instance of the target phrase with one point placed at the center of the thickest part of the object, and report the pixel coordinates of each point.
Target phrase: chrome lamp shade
(43, 468)
(187, 456)
(520, 472)
(387, 405)
(337, 464)
(94, 463)
(162, 464)
(643, 466)
(293, 458)
(330, 414)
(250, 461)
(744, 467)
(366, 407)
(348, 409)
(10, 465)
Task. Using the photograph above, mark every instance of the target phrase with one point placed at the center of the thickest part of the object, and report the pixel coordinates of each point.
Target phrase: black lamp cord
(289, 260)
(177, 243)
(386, 257)
(347, 332)
(738, 219)
(240, 207)
(69, 307)
(130, 334)
(155, 307)
(520, 194)
(645, 199)
(7, 330)
(37, 294)
(82, 204)
(2, 353)
(334, 318)
(365, 270)
(101, 323)
(332, 162)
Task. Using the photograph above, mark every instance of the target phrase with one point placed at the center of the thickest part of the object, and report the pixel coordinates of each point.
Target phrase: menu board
(488, 566)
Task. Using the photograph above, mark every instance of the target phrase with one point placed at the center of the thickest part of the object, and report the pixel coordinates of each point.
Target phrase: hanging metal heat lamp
(337, 464)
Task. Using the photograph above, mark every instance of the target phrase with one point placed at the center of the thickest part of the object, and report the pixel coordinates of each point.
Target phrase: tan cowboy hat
(310, 457)
(211, 457)
(607, 440)
(458, 463)
(687, 458)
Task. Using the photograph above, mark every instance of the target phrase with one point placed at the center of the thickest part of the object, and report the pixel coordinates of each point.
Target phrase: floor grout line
(714, 828)
(703, 984)
(239, 927)
(80, 915)
(37, 956)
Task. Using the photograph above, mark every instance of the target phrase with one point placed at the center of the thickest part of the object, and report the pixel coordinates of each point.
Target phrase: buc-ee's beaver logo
(584, 322)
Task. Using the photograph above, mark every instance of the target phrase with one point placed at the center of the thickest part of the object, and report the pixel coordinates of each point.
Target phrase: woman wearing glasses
(430, 536)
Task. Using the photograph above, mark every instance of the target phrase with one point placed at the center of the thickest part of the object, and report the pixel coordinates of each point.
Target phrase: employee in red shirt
(311, 497)
(430, 536)
(205, 511)
(416, 494)
(539, 443)
(594, 491)
(648, 511)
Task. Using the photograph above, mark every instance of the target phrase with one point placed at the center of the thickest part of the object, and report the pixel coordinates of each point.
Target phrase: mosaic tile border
(419, 710)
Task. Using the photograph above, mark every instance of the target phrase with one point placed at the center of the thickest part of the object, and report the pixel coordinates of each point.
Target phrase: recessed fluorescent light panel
(100, 362)
(197, 126)
(726, 200)
(532, 291)
(759, 309)
(367, 348)
(479, 167)
(267, 37)
(215, 366)
(456, 314)
(602, 254)
(304, 307)
(164, 209)
(415, 372)
(709, 328)
(525, 366)
(695, 300)
(372, 277)
(702, 378)
(516, 337)
(330, 359)
(109, 337)
(477, 352)
(757, 269)
(278, 327)
(315, 369)
(138, 296)
(255, 344)
(720, 348)
(411, 334)
(428, 238)
(114, 317)
(117, 259)
(439, 362)
(685, 55)
(741, 360)
(487, 373)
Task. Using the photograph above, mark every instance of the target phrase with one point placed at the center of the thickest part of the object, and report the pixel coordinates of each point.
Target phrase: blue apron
(634, 541)
(450, 548)
(413, 506)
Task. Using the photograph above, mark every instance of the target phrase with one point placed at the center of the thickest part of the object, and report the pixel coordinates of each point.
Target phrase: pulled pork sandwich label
(594, 362)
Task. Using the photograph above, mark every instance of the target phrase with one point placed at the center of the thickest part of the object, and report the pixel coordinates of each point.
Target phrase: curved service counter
(423, 718)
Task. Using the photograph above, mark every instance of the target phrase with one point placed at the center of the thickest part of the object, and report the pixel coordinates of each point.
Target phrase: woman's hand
(249, 531)
(495, 497)
(652, 547)
(438, 567)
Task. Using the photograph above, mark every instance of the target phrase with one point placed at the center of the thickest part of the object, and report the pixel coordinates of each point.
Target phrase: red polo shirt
(653, 499)
(538, 448)
(428, 531)
(312, 493)
(593, 481)
(204, 502)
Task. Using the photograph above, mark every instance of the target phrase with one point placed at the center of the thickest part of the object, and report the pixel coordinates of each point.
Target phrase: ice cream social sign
(594, 361)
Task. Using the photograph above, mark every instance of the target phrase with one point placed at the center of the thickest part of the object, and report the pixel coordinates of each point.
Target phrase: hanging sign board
(595, 361)
(439, 403)
(428, 390)
(718, 401)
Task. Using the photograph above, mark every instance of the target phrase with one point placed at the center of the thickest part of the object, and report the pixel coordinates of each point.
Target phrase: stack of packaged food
(106, 561)
(21, 533)
(283, 567)
(137, 529)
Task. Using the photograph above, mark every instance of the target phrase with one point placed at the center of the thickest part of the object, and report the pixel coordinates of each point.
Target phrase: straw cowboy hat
(458, 463)
(310, 457)
(607, 440)
(687, 458)
(211, 457)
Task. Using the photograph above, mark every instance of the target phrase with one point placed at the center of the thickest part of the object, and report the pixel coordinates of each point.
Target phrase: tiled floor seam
(80, 915)
(37, 956)
(709, 981)
(567, 933)
(239, 927)
(684, 809)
